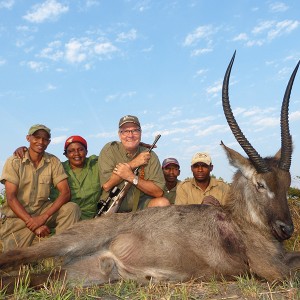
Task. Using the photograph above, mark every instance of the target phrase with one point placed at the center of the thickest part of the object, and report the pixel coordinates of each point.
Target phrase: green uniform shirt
(33, 183)
(84, 186)
(171, 194)
(189, 193)
(112, 154)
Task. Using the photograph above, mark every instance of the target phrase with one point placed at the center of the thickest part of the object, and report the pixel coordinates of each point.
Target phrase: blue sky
(78, 66)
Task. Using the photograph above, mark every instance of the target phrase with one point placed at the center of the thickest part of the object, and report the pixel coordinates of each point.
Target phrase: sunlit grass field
(242, 287)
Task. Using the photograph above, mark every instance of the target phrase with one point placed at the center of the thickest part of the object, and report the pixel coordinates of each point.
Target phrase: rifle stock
(116, 195)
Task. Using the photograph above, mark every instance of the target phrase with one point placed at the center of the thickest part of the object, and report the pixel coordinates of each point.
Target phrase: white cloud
(198, 34)
(212, 130)
(36, 66)
(85, 5)
(105, 48)
(2, 62)
(8, 4)
(173, 113)
(49, 10)
(291, 57)
(215, 88)
(201, 72)
(87, 66)
(26, 29)
(262, 26)
(239, 110)
(284, 72)
(91, 3)
(241, 37)
(252, 43)
(142, 5)
(76, 50)
(120, 96)
(294, 116)
(271, 30)
(131, 35)
(202, 120)
(52, 52)
(266, 122)
(175, 131)
(60, 70)
(58, 140)
(278, 7)
(198, 52)
(256, 111)
(104, 135)
(283, 27)
(51, 87)
(149, 49)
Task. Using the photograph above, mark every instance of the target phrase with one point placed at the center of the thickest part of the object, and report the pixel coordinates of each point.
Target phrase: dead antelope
(178, 243)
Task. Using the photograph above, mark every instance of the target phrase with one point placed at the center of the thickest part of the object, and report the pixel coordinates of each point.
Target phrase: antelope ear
(239, 161)
(278, 154)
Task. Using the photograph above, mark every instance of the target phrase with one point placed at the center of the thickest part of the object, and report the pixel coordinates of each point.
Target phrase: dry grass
(293, 243)
(244, 287)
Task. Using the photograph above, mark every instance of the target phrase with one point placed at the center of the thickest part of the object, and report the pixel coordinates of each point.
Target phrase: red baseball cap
(75, 139)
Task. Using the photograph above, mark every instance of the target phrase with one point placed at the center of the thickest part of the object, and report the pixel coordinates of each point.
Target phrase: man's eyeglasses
(128, 132)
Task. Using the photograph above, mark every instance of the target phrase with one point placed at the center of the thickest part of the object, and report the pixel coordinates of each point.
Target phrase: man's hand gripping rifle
(116, 195)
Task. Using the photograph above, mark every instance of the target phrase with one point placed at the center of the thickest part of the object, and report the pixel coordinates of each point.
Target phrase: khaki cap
(203, 157)
(37, 127)
(129, 119)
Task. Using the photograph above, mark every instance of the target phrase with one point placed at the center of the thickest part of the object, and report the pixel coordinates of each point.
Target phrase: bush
(2, 197)
(294, 193)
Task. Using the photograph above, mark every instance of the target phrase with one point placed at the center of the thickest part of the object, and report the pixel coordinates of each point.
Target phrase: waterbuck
(179, 243)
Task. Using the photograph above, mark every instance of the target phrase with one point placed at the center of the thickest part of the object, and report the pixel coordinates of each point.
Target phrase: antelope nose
(286, 229)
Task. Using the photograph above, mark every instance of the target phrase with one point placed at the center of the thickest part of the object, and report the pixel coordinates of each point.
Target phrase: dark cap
(75, 139)
(129, 119)
(37, 127)
(169, 161)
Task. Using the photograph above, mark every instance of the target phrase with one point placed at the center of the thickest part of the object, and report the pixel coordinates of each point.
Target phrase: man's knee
(71, 209)
(161, 201)
(68, 215)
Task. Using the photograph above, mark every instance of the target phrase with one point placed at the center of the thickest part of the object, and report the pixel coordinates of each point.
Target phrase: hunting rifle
(116, 195)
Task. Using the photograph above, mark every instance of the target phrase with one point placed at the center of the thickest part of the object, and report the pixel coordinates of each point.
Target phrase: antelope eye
(260, 186)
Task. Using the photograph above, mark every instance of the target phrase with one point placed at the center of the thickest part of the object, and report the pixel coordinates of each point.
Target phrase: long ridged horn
(258, 162)
(286, 139)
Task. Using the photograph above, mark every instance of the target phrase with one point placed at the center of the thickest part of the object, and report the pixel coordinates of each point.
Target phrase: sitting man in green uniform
(202, 188)
(171, 170)
(117, 162)
(83, 176)
(28, 210)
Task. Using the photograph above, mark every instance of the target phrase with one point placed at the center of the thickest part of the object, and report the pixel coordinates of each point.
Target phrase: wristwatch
(135, 180)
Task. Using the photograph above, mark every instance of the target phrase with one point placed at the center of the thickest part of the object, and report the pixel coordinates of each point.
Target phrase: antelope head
(261, 184)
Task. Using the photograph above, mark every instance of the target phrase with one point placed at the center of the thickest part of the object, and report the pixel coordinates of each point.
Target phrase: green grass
(244, 287)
